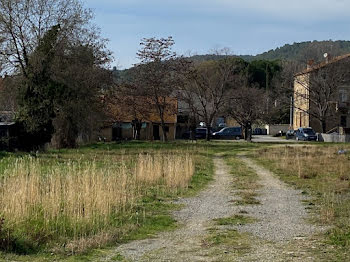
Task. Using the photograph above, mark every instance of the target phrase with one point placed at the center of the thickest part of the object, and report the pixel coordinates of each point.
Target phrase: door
(116, 133)
(156, 132)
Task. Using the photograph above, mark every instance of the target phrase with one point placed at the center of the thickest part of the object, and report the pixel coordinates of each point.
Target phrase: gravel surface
(281, 214)
(184, 244)
(281, 232)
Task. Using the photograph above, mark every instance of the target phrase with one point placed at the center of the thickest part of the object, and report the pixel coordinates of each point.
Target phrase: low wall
(274, 129)
(335, 138)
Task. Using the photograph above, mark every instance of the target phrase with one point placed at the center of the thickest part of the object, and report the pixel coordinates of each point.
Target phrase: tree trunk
(249, 132)
(165, 137)
(136, 125)
(323, 125)
(207, 135)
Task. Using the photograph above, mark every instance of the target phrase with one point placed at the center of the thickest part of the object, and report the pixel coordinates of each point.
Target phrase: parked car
(259, 131)
(290, 134)
(305, 134)
(201, 133)
(229, 133)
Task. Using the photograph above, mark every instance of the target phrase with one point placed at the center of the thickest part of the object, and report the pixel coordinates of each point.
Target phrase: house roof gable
(323, 64)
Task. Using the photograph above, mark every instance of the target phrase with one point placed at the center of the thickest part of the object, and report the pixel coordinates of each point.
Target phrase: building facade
(321, 96)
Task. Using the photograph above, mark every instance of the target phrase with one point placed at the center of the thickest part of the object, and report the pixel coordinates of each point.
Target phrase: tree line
(229, 86)
(57, 63)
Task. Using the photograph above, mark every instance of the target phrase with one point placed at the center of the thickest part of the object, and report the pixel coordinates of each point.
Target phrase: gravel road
(281, 214)
(281, 232)
(184, 244)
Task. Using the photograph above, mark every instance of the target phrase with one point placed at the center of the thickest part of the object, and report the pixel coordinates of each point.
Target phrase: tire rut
(282, 230)
(185, 243)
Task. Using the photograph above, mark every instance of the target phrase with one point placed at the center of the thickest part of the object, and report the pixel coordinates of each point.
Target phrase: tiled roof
(323, 64)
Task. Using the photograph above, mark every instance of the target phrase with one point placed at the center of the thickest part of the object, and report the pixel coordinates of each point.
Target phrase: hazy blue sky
(197, 26)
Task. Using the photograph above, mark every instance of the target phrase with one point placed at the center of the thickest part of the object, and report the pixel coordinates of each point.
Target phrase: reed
(76, 199)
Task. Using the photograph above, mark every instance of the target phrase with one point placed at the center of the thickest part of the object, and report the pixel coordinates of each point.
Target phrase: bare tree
(208, 87)
(247, 105)
(157, 75)
(126, 101)
(51, 46)
(316, 91)
(23, 23)
(8, 94)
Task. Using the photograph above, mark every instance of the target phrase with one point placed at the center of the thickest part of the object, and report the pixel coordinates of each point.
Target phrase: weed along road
(245, 214)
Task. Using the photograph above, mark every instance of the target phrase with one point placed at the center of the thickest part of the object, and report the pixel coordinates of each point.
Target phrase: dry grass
(328, 171)
(77, 199)
(324, 174)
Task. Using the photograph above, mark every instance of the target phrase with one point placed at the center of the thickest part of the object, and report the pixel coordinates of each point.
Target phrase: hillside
(299, 52)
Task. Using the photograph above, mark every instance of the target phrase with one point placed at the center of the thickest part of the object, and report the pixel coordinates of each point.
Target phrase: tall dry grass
(324, 173)
(83, 198)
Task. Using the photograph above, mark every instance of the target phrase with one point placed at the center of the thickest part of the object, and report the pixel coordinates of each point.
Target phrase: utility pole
(291, 111)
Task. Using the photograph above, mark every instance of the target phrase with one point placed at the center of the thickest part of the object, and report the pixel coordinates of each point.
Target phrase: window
(343, 96)
(343, 121)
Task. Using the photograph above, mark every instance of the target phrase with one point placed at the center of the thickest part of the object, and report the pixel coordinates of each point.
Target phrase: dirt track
(281, 232)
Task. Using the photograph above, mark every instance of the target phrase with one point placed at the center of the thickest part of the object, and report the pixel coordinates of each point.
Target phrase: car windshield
(309, 131)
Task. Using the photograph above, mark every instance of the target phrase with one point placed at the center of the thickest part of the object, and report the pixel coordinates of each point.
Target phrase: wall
(274, 129)
(146, 132)
(335, 138)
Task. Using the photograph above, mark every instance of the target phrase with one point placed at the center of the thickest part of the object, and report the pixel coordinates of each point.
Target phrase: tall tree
(157, 75)
(23, 24)
(38, 38)
(247, 104)
(77, 102)
(208, 87)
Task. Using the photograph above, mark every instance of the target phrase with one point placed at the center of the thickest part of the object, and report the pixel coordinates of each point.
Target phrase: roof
(127, 108)
(323, 64)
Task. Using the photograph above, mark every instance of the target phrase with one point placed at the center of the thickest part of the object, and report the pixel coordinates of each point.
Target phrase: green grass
(235, 220)
(245, 181)
(230, 240)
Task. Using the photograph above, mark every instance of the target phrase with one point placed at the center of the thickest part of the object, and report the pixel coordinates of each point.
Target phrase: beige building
(321, 96)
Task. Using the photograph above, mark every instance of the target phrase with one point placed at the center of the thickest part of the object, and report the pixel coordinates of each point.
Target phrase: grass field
(71, 201)
(74, 202)
(322, 172)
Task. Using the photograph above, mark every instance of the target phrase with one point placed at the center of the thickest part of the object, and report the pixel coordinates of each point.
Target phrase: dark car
(290, 134)
(201, 133)
(305, 134)
(229, 133)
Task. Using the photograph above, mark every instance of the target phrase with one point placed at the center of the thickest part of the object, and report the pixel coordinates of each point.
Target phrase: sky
(246, 27)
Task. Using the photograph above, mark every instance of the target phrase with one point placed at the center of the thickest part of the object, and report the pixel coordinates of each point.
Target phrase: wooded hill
(300, 52)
